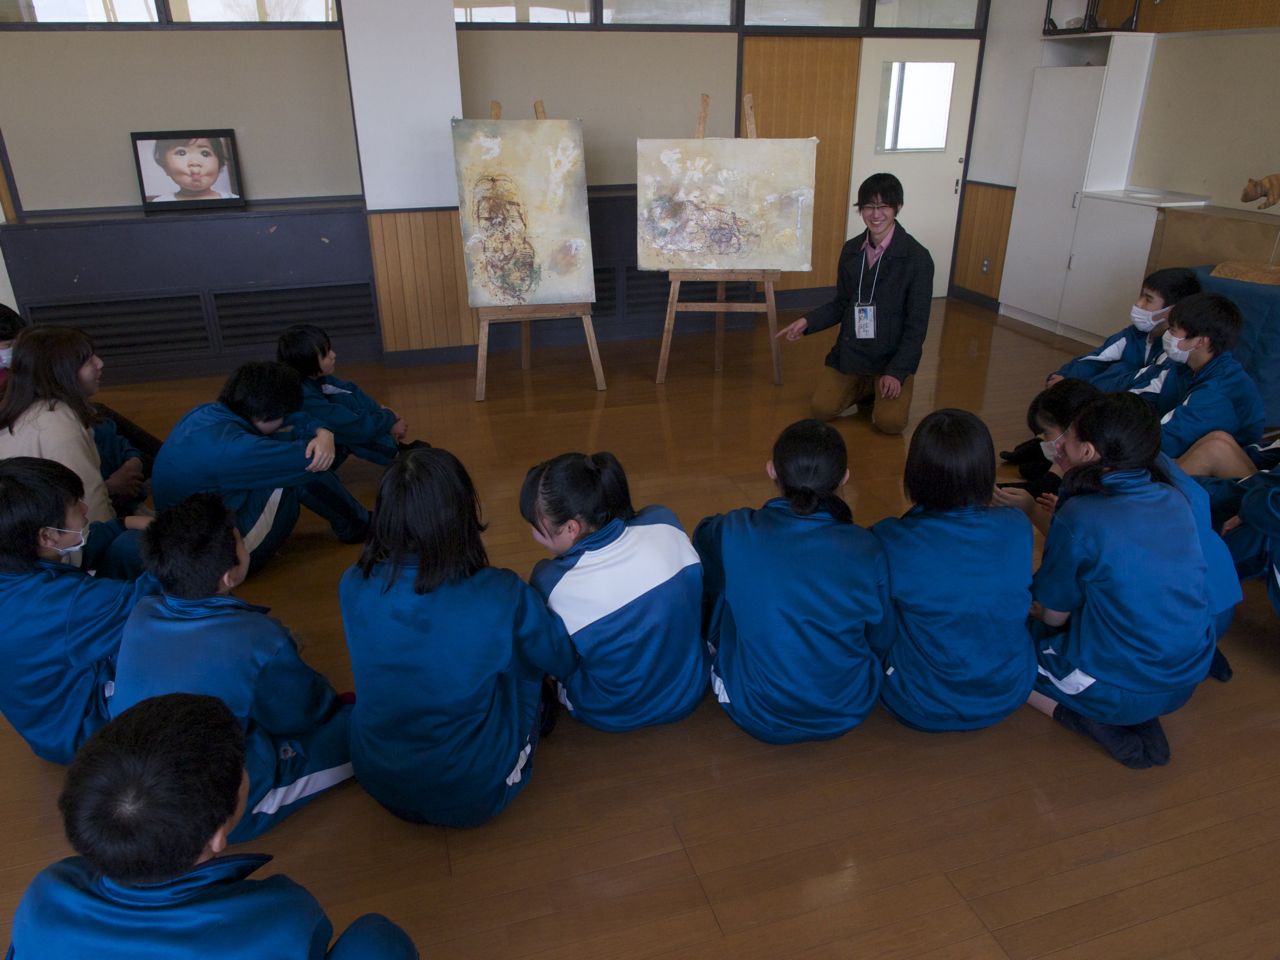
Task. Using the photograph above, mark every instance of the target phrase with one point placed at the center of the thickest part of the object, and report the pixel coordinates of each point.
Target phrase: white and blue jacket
(629, 596)
(1218, 396)
(359, 423)
(1114, 364)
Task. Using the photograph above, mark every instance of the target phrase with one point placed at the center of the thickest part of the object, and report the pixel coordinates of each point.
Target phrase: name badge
(864, 321)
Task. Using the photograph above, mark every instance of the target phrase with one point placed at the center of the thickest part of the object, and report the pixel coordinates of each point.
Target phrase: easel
(526, 313)
(720, 307)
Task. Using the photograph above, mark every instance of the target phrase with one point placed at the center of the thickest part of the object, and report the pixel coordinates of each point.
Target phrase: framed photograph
(186, 169)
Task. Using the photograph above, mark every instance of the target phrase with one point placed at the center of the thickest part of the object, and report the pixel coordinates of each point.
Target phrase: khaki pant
(836, 391)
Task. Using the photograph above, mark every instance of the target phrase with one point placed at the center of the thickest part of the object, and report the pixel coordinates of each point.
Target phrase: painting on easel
(731, 204)
(522, 196)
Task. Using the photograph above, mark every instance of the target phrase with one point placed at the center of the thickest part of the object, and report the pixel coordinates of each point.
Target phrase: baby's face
(193, 166)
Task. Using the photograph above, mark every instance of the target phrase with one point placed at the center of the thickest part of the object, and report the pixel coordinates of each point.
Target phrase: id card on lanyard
(864, 311)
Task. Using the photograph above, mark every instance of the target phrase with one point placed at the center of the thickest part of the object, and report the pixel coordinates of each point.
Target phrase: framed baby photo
(187, 169)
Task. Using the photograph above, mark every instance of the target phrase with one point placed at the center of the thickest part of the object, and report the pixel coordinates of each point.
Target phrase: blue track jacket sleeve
(1056, 585)
(113, 449)
(1089, 365)
(1202, 412)
(355, 418)
(1260, 507)
(253, 462)
(706, 540)
(291, 698)
(541, 639)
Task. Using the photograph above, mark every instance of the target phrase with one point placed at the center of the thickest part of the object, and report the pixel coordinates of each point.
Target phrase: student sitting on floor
(62, 627)
(960, 581)
(197, 638)
(1112, 661)
(1219, 464)
(794, 598)
(1253, 535)
(237, 447)
(448, 653)
(628, 588)
(1219, 395)
(360, 424)
(149, 805)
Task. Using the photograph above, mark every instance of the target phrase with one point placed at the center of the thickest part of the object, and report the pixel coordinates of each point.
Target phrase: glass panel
(927, 14)
(254, 11)
(544, 11)
(692, 12)
(915, 106)
(805, 13)
(77, 11)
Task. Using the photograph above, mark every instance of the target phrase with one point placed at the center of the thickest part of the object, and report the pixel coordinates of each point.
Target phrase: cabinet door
(1055, 156)
(1108, 262)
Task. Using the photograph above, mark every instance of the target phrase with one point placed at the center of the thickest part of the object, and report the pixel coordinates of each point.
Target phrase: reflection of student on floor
(884, 288)
(194, 166)
(149, 805)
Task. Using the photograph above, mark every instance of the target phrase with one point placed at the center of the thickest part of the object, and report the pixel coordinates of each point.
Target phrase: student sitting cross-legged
(238, 447)
(448, 653)
(62, 626)
(1253, 535)
(197, 638)
(149, 805)
(960, 575)
(796, 598)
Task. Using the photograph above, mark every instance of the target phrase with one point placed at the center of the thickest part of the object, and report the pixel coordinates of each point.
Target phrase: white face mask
(1050, 447)
(1146, 320)
(6, 357)
(74, 548)
(1171, 348)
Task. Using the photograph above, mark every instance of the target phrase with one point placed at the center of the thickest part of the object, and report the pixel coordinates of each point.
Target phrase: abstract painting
(740, 204)
(522, 197)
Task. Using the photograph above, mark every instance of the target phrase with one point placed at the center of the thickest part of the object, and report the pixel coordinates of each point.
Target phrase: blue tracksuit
(1120, 658)
(1255, 544)
(1162, 383)
(113, 449)
(1219, 396)
(262, 479)
(1222, 585)
(962, 657)
(629, 596)
(70, 912)
(296, 730)
(793, 605)
(449, 686)
(359, 423)
(1114, 364)
(59, 644)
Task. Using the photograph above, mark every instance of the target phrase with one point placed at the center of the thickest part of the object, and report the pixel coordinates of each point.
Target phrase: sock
(1220, 668)
(1154, 743)
(1121, 743)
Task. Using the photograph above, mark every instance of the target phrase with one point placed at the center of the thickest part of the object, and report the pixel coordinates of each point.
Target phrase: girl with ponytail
(1111, 660)
(961, 657)
(626, 586)
(795, 596)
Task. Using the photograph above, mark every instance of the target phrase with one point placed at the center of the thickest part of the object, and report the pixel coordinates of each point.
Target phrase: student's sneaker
(1122, 743)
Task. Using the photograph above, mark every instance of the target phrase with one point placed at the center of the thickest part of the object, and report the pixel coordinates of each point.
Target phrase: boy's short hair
(190, 546)
(951, 462)
(164, 146)
(34, 493)
(301, 347)
(146, 793)
(1173, 284)
(262, 390)
(883, 186)
(10, 322)
(1209, 315)
(1061, 402)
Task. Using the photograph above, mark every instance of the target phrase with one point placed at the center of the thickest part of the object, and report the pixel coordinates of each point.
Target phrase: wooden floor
(695, 841)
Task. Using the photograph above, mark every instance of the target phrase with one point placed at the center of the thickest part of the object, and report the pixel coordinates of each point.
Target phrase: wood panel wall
(1188, 237)
(984, 234)
(1178, 16)
(808, 87)
(421, 280)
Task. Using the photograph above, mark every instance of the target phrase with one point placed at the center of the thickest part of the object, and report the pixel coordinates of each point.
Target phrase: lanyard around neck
(861, 267)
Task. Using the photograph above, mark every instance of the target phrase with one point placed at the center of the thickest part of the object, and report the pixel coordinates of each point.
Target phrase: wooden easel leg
(482, 359)
(526, 345)
(672, 300)
(594, 350)
(772, 313)
(719, 328)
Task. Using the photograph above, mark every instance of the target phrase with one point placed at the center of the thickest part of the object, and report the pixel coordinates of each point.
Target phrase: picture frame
(187, 169)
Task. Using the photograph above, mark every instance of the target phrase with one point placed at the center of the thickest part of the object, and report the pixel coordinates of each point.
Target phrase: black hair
(34, 493)
(951, 462)
(46, 366)
(262, 390)
(1125, 433)
(302, 346)
(148, 791)
(427, 515)
(573, 486)
(884, 187)
(810, 461)
(189, 546)
(1061, 402)
(10, 322)
(1209, 315)
(164, 146)
(1173, 284)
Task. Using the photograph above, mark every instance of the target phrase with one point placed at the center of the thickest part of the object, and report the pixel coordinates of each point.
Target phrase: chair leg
(719, 328)
(772, 313)
(667, 328)
(593, 349)
(482, 358)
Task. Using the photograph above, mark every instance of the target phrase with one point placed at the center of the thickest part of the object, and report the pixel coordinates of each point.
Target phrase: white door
(929, 166)
(1108, 262)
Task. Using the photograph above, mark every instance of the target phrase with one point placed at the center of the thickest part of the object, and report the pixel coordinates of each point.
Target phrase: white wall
(402, 60)
(1012, 53)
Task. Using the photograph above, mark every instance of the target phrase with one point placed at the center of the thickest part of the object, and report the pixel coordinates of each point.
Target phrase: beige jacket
(57, 434)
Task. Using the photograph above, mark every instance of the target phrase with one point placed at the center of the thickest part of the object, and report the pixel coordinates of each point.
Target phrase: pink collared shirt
(873, 252)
